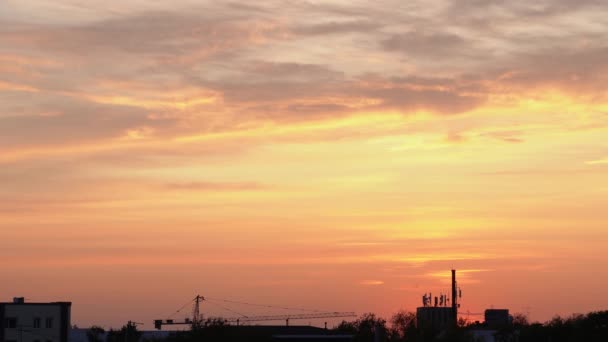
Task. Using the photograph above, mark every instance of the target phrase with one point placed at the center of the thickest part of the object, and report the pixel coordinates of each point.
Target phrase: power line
(245, 318)
(180, 309)
(264, 305)
(228, 309)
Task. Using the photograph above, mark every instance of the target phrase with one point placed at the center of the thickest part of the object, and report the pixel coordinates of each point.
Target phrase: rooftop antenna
(454, 298)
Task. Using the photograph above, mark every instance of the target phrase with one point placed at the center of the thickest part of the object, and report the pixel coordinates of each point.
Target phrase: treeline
(590, 327)
(401, 327)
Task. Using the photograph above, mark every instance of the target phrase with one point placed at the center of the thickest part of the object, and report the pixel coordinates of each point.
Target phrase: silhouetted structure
(197, 318)
(261, 333)
(84, 335)
(454, 298)
(497, 318)
(435, 318)
(34, 322)
(439, 316)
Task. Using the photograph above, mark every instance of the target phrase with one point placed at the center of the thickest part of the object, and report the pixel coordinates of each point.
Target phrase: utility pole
(454, 298)
(196, 312)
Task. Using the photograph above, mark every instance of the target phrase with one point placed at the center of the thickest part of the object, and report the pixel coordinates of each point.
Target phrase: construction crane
(197, 320)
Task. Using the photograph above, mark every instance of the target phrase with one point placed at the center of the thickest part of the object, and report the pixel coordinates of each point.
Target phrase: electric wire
(180, 309)
(228, 309)
(263, 305)
(215, 300)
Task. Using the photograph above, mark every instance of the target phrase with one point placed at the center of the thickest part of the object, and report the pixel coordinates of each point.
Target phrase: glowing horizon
(338, 155)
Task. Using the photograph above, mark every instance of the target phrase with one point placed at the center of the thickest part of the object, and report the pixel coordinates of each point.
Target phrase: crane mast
(196, 311)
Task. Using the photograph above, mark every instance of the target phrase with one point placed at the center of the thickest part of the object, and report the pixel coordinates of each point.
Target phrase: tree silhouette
(520, 320)
(128, 333)
(591, 327)
(365, 328)
(403, 326)
(95, 334)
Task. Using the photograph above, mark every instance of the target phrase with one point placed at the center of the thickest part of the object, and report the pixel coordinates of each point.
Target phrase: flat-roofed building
(34, 322)
(497, 318)
(435, 318)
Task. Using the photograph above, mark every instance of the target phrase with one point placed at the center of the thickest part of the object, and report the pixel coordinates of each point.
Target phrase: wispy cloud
(371, 282)
(367, 143)
(218, 186)
(597, 162)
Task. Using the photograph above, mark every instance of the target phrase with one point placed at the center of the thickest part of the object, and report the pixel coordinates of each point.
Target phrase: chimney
(454, 298)
(18, 300)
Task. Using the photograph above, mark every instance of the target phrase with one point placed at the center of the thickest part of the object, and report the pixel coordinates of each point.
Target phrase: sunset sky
(333, 155)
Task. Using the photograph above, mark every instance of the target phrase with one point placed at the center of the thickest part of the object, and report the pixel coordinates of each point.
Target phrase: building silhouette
(34, 322)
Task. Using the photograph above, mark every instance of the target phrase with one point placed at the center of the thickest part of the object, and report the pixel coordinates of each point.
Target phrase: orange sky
(336, 155)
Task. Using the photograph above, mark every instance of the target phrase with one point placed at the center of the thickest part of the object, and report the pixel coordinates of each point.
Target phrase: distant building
(280, 333)
(483, 335)
(243, 333)
(436, 318)
(497, 318)
(439, 315)
(265, 333)
(80, 335)
(34, 322)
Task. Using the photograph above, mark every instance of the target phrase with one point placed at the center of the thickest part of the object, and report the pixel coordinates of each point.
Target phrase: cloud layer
(375, 144)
